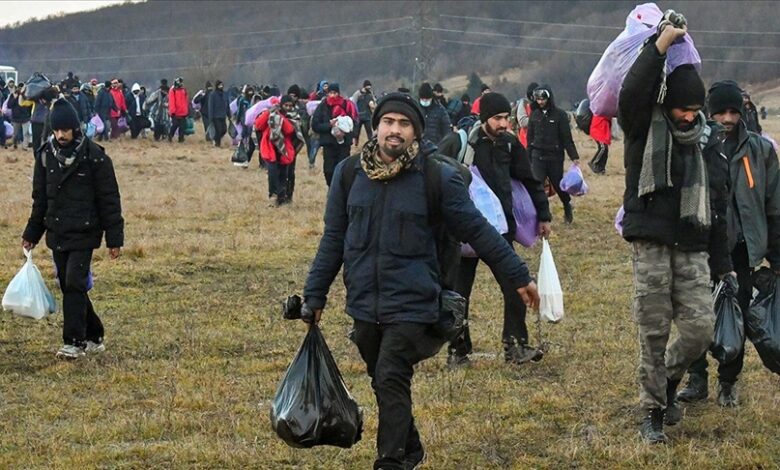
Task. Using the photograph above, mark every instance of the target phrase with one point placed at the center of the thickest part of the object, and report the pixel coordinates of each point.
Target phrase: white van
(8, 73)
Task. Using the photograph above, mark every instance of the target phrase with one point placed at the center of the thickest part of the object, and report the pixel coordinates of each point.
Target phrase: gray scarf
(65, 156)
(656, 173)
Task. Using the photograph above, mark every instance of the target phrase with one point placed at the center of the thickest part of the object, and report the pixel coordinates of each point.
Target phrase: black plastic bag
(312, 406)
(232, 131)
(452, 315)
(240, 156)
(729, 327)
(763, 319)
(36, 85)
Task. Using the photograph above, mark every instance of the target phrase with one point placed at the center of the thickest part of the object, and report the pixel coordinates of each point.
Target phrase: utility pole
(425, 51)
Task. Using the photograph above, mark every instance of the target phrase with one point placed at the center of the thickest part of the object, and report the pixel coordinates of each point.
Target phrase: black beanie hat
(684, 88)
(724, 95)
(425, 92)
(63, 116)
(164, 82)
(484, 87)
(334, 86)
(465, 97)
(294, 90)
(366, 83)
(285, 99)
(529, 92)
(208, 84)
(492, 104)
(438, 88)
(401, 103)
(218, 83)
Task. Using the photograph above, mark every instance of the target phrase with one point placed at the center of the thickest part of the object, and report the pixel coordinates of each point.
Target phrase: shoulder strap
(463, 144)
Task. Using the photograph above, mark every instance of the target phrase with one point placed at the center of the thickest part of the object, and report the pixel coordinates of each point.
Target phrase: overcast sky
(13, 11)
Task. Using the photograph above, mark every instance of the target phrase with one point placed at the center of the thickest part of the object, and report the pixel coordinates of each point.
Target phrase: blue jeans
(314, 146)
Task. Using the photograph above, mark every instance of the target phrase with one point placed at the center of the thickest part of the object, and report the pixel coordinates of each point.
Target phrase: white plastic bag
(488, 205)
(550, 293)
(27, 294)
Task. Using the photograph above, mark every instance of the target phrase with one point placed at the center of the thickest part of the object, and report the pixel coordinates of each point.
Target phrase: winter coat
(754, 210)
(437, 122)
(320, 123)
(217, 105)
(86, 107)
(21, 109)
(202, 98)
(656, 217)
(178, 103)
(549, 133)
(104, 104)
(157, 108)
(380, 232)
(40, 111)
(268, 150)
(523, 116)
(119, 103)
(75, 206)
(500, 162)
(362, 101)
(134, 109)
(74, 101)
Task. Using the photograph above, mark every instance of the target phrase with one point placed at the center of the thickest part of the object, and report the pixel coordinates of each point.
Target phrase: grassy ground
(196, 343)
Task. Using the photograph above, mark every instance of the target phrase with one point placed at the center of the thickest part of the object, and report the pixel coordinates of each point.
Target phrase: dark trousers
(277, 180)
(159, 130)
(552, 169)
(136, 126)
(290, 180)
(37, 134)
(115, 131)
(177, 123)
(81, 321)
(390, 352)
(369, 131)
(514, 329)
(332, 156)
(220, 129)
(206, 122)
(599, 161)
(729, 372)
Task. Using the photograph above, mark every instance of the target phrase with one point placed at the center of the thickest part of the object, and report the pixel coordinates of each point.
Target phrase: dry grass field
(196, 342)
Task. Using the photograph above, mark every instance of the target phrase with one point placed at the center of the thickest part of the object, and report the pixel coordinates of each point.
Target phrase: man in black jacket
(202, 98)
(323, 122)
(675, 217)
(378, 229)
(499, 157)
(437, 122)
(549, 134)
(75, 201)
(366, 102)
(217, 105)
(754, 224)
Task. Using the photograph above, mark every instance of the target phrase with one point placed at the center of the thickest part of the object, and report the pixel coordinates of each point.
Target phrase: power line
(179, 53)
(197, 36)
(577, 25)
(251, 62)
(769, 62)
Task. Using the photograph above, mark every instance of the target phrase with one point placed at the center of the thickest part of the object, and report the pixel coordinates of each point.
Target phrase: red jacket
(119, 101)
(601, 129)
(267, 148)
(178, 104)
(522, 134)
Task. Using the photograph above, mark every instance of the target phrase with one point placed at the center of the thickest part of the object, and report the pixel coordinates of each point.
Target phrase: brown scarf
(378, 170)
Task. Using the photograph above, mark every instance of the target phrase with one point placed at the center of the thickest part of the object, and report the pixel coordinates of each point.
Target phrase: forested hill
(509, 44)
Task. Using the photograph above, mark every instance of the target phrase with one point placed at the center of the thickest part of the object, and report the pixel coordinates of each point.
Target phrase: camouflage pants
(670, 285)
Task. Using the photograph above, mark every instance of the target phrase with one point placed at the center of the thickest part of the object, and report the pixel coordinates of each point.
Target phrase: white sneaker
(70, 352)
(94, 348)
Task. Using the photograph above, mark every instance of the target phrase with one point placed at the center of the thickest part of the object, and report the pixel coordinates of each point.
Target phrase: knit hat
(218, 83)
(401, 103)
(164, 82)
(529, 92)
(465, 97)
(366, 83)
(63, 116)
(484, 87)
(724, 95)
(684, 88)
(286, 99)
(425, 92)
(334, 86)
(294, 90)
(208, 84)
(492, 104)
(438, 88)
(107, 84)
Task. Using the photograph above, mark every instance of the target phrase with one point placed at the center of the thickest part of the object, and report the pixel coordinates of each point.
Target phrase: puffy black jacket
(217, 105)
(549, 133)
(75, 205)
(380, 232)
(656, 217)
(320, 123)
(499, 162)
(437, 122)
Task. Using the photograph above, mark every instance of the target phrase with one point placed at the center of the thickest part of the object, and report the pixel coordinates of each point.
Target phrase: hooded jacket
(104, 104)
(437, 122)
(549, 132)
(217, 105)
(656, 217)
(178, 103)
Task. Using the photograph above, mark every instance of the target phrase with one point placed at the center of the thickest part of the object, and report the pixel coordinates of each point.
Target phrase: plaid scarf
(378, 170)
(656, 173)
(65, 156)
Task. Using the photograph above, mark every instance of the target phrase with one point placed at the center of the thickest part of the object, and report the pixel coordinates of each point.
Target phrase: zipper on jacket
(382, 197)
(748, 172)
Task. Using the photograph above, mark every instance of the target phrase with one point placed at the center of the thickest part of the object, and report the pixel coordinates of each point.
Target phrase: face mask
(425, 103)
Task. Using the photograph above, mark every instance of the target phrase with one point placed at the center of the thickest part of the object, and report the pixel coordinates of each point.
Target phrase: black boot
(673, 414)
(727, 394)
(652, 428)
(695, 390)
(568, 213)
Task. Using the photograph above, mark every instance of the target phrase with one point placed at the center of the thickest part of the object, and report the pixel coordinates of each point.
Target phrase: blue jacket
(104, 103)
(437, 123)
(217, 105)
(380, 233)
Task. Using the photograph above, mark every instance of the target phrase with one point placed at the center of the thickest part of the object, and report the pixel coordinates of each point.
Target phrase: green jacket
(754, 209)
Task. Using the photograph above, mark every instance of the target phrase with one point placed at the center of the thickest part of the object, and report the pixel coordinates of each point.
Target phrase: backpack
(454, 107)
(583, 116)
(447, 246)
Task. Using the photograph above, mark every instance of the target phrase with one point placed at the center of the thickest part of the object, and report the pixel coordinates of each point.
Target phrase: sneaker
(521, 353)
(652, 427)
(70, 352)
(94, 347)
(457, 361)
(727, 394)
(695, 390)
(673, 414)
(414, 460)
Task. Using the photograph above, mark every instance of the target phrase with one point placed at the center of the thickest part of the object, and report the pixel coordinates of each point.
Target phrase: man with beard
(549, 134)
(75, 201)
(217, 105)
(374, 228)
(754, 224)
(499, 157)
(675, 205)
(335, 142)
